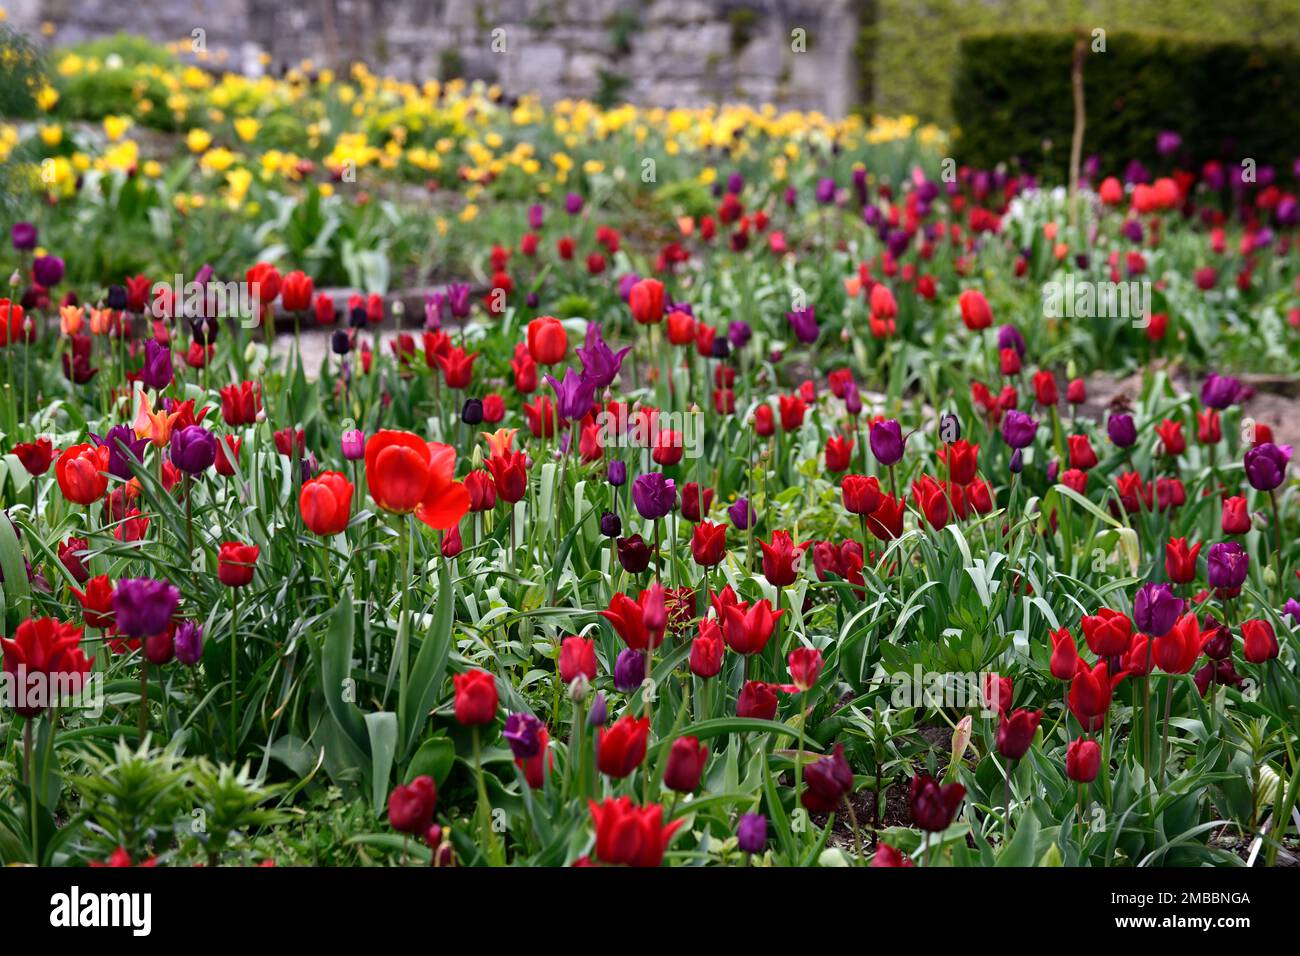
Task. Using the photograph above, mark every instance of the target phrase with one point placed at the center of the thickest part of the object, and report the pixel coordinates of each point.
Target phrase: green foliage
(21, 74)
(1014, 96)
(916, 41)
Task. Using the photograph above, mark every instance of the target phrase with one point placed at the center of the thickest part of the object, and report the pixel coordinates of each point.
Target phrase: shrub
(1013, 95)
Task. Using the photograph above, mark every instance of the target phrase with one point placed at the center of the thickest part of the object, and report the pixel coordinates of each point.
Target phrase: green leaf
(382, 728)
(430, 666)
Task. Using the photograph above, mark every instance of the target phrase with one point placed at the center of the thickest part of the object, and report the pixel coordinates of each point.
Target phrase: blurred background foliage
(915, 42)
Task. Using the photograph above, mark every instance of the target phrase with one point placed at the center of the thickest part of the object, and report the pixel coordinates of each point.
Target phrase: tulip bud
(472, 412)
(579, 688)
(960, 741)
(611, 526)
(599, 713)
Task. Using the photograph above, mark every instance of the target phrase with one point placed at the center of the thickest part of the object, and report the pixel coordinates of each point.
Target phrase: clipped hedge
(1229, 100)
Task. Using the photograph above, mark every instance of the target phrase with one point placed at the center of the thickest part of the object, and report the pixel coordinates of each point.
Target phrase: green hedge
(1228, 100)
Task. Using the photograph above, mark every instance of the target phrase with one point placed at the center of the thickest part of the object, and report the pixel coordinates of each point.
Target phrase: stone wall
(668, 52)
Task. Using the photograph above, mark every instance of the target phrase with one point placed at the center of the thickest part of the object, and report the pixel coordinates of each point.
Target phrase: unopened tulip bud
(599, 713)
(960, 741)
(579, 688)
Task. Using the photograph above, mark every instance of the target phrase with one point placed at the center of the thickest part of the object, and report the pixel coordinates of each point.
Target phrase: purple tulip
(193, 449)
(435, 310)
(616, 472)
(1156, 610)
(23, 236)
(600, 363)
(157, 372)
(625, 285)
(1227, 565)
(1121, 430)
(574, 395)
(1009, 337)
(1132, 230)
(573, 204)
(1018, 429)
(735, 184)
(1266, 465)
(1292, 610)
(523, 732)
(629, 670)
(739, 333)
(1220, 391)
(188, 643)
(143, 607)
(804, 324)
(47, 271)
(1168, 142)
(654, 495)
(741, 513)
(458, 299)
(887, 441)
(119, 459)
(599, 712)
(825, 190)
(536, 216)
(751, 833)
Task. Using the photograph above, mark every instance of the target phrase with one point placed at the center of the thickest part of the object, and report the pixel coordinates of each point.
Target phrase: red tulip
(1259, 640)
(686, 761)
(1045, 392)
(36, 456)
(839, 453)
(782, 559)
(241, 403)
(1082, 455)
(707, 650)
(930, 499)
(975, 311)
(1171, 437)
(708, 543)
(1177, 651)
(1107, 632)
(628, 835)
(764, 421)
(621, 748)
(933, 805)
(646, 300)
(1090, 693)
(43, 646)
(628, 618)
(1180, 560)
(476, 698)
(793, 408)
(1082, 760)
(757, 699)
(886, 522)
(1236, 519)
(236, 563)
(406, 474)
(1016, 732)
(411, 805)
(861, 494)
(81, 472)
(457, 367)
(805, 665)
(296, 292)
(1065, 655)
(325, 503)
(577, 656)
(547, 340)
(510, 475)
(96, 602)
(962, 459)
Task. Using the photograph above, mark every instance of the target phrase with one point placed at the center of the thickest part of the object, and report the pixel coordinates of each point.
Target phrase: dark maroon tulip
(934, 805)
(827, 782)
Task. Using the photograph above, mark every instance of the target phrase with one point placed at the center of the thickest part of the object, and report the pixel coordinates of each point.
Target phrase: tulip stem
(485, 820)
(1277, 543)
(144, 693)
(853, 824)
(1164, 739)
(234, 670)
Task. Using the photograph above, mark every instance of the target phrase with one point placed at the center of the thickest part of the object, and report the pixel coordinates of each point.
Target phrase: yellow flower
(469, 213)
(217, 160)
(47, 97)
(198, 140)
(52, 135)
(115, 127)
(152, 169)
